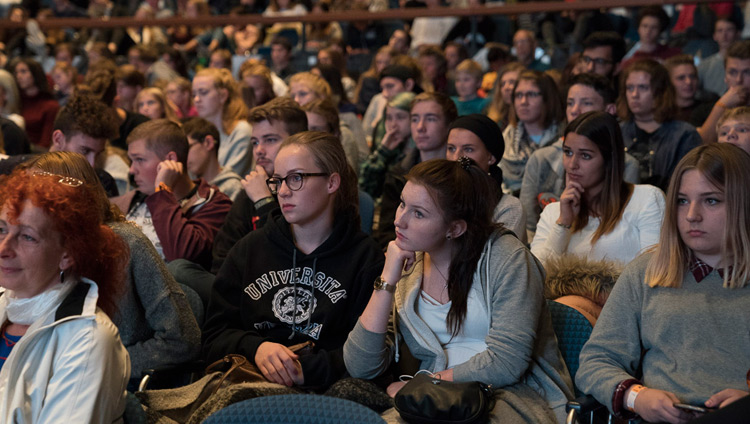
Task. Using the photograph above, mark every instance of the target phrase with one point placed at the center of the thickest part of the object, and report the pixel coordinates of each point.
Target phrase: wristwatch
(380, 284)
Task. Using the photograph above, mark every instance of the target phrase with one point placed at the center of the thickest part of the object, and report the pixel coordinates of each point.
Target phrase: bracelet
(262, 202)
(630, 402)
(163, 187)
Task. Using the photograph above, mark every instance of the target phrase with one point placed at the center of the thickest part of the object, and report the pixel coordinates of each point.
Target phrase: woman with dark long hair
(468, 298)
(599, 215)
(38, 104)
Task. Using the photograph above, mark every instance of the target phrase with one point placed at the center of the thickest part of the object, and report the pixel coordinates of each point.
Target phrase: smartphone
(693, 408)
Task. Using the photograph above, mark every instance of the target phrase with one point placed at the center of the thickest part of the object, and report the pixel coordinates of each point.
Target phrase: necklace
(441, 274)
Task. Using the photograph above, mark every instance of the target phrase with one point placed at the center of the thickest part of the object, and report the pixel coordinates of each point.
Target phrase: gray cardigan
(692, 341)
(155, 321)
(521, 344)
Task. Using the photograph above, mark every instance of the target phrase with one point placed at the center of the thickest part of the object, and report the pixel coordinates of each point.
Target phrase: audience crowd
(388, 197)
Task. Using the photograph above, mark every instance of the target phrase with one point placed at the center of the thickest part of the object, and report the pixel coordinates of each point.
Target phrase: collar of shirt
(701, 269)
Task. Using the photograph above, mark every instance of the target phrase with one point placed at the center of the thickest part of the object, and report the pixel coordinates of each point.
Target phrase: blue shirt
(6, 345)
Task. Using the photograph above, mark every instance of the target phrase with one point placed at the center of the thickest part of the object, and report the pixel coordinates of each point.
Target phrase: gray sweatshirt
(521, 344)
(692, 341)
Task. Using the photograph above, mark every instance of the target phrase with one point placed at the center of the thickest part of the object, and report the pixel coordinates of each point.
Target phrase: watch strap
(380, 284)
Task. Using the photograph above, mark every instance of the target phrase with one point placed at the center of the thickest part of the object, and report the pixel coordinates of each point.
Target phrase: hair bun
(465, 162)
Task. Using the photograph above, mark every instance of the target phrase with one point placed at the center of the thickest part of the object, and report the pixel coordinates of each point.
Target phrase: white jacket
(69, 367)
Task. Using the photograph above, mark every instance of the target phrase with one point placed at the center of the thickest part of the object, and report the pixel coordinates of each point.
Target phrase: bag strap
(235, 361)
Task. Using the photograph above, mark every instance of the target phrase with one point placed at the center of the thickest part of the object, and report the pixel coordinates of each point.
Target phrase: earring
(448, 237)
(62, 276)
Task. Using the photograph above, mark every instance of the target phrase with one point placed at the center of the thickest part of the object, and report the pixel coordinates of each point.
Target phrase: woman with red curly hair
(61, 358)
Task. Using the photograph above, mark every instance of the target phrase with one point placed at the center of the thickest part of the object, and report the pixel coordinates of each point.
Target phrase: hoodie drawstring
(294, 286)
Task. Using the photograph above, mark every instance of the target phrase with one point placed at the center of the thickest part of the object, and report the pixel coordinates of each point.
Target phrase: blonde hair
(168, 111)
(234, 108)
(741, 113)
(470, 67)
(498, 110)
(726, 167)
(255, 69)
(314, 82)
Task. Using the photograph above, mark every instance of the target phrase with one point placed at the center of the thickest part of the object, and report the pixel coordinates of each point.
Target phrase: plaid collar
(701, 269)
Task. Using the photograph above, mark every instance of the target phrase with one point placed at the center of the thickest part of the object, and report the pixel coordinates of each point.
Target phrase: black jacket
(257, 298)
(241, 220)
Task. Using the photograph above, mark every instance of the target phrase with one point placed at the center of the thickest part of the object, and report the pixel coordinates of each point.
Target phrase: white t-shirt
(469, 341)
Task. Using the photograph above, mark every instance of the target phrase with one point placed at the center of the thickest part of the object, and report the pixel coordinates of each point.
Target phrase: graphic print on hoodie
(268, 291)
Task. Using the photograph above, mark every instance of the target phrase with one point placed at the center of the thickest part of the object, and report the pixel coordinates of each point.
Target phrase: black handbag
(425, 399)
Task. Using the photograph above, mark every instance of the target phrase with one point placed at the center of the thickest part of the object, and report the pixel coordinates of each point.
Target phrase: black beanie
(486, 129)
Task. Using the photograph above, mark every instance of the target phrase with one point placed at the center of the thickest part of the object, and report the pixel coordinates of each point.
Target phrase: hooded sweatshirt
(268, 291)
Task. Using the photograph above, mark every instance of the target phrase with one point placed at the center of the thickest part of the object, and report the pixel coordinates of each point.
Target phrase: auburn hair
(97, 252)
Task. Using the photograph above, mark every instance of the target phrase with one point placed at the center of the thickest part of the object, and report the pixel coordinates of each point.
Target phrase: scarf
(27, 311)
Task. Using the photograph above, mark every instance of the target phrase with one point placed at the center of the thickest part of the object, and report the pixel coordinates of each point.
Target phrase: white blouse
(638, 229)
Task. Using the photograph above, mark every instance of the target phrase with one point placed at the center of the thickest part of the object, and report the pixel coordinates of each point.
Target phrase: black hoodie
(255, 296)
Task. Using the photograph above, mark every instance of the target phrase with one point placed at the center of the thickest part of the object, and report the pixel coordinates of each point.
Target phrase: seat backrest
(366, 211)
(572, 330)
(298, 408)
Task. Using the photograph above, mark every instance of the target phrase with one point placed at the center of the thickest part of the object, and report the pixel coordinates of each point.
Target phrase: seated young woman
(534, 121)
(599, 215)
(62, 270)
(675, 328)
(468, 298)
(306, 275)
(154, 318)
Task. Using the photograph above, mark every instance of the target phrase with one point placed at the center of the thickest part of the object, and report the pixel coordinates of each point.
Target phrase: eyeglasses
(519, 95)
(68, 181)
(293, 181)
(597, 61)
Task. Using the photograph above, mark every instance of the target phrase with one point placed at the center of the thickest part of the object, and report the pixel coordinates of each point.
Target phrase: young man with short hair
(602, 53)
(652, 21)
(734, 127)
(180, 216)
(84, 126)
(394, 79)
(544, 176)
(130, 81)
(272, 123)
(711, 69)
(431, 118)
(203, 157)
(524, 43)
(281, 58)
(737, 78)
(693, 104)
(323, 115)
